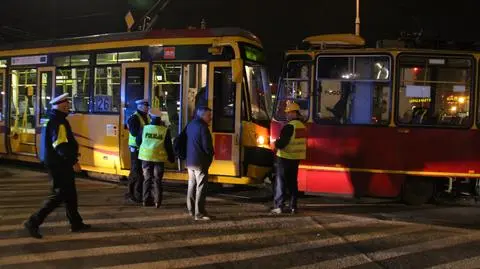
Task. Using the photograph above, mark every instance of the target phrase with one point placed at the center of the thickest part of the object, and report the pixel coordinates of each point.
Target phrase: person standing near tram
(291, 148)
(136, 122)
(156, 148)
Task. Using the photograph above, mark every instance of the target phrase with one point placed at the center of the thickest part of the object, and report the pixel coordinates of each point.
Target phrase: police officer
(155, 149)
(59, 152)
(291, 147)
(135, 125)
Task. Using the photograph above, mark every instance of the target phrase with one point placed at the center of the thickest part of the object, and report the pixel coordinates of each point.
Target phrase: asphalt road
(328, 233)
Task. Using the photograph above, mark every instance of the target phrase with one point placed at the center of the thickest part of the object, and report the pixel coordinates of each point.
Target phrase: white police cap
(60, 99)
(155, 113)
(142, 102)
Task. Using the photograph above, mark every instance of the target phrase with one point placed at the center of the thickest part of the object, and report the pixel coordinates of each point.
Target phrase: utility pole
(357, 19)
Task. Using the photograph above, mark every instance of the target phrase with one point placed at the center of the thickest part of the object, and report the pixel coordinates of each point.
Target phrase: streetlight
(357, 19)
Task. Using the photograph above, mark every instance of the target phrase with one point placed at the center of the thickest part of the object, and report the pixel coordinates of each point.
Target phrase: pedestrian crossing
(241, 235)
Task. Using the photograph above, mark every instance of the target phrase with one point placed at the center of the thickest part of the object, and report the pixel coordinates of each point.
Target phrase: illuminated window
(118, 57)
(22, 101)
(294, 87)
(3, 63)
(353, 89)
(73, 76)
(75, 81)
(166, 92)
(107, 89)
(434, 90)
(73, 60)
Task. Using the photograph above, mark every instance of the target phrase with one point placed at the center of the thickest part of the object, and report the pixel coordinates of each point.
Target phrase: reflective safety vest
(297, 146)
(132, 142)
(152, 148)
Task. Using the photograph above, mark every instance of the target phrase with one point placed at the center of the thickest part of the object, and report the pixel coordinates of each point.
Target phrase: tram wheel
(417, 191)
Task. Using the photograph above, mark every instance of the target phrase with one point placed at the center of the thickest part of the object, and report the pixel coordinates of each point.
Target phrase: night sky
(280, 24)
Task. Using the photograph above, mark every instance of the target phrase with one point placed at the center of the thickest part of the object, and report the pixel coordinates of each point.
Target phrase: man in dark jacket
(155, 145)
(135, 125)
(199, 158)
(61, 159)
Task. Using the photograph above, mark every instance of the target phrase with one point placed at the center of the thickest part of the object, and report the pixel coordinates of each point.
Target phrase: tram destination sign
(30, 60)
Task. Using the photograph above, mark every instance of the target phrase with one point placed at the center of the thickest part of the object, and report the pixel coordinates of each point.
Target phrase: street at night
(239, 134)
(327, 233)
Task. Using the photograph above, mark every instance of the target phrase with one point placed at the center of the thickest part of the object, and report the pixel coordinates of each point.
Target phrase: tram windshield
(294, 87)
(260, 95)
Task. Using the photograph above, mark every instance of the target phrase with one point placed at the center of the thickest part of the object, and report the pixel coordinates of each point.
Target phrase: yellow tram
(105, 74)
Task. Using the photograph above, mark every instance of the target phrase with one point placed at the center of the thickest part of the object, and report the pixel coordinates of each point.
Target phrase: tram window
(166, 92)
(22, 106)
(135, 87)
(353, 89)
(294, 87)
(72, 60)
(259, 91)
(196, 89)
(107, 58)
(2, 94)
(117, 57)
(3, 63)
(434, 90)
(79, 60)
(45, 92)
(75, 81)
(223, 100)
(107, 89)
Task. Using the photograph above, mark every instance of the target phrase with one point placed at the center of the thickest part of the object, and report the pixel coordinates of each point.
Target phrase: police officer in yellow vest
(291, 147)
(135, 125)
(155, 149)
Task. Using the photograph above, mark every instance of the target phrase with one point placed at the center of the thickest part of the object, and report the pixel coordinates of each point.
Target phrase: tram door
(45, 88)
(22, 111)
(135, 83)
(3, 128)
(224, 98)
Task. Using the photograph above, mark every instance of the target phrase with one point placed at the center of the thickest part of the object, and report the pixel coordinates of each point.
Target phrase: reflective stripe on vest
(152, 148)
(132, 139)
(297, 146)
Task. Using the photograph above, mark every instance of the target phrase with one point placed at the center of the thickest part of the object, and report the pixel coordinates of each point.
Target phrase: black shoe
(294, 211)
(147, 204)
(80, 228)
(133, 201)
(32, 230)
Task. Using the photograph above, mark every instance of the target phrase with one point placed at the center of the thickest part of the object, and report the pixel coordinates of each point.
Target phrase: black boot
(32, 230)
(80, 228)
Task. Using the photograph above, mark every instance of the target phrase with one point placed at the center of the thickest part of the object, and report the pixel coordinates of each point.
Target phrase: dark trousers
(287, 171)
(63, 191)
(153, 175)
(197, 191)
(135, 178)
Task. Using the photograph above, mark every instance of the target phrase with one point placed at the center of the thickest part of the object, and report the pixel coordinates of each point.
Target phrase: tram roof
(154, 34)
(380, 51)
(349, 44)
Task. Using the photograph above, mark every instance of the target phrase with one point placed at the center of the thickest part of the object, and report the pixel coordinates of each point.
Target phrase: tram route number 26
(103, 103)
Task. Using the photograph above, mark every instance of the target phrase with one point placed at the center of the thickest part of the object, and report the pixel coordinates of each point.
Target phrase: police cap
(142, 102)
(60, 99)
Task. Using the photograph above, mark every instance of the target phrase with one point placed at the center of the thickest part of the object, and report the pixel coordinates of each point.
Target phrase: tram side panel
(98, 139)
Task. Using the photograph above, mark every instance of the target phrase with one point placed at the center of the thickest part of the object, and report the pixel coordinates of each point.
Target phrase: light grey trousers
(197, 191)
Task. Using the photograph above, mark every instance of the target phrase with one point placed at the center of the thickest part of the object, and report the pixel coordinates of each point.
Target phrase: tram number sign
(103, 103)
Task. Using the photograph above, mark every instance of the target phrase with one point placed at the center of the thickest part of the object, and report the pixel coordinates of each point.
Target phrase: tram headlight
(261, 140)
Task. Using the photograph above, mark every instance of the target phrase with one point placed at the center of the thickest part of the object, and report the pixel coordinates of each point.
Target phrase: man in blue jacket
(199, 158)
(61, 159)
